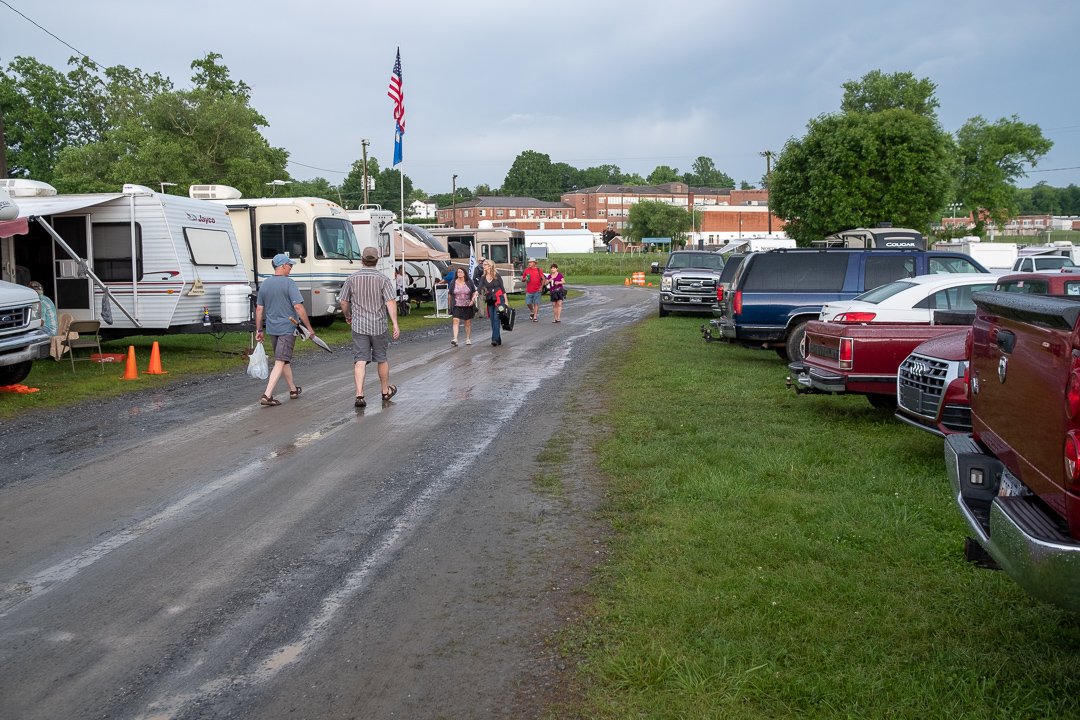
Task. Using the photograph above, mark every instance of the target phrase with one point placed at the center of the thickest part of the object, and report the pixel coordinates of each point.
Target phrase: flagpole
(401, 229)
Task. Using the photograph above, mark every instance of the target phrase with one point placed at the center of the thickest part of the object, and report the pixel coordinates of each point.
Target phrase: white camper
(317, 233)
(165, 263)
(561, 241)
(373, 227)
(991, 255)
(503, 246)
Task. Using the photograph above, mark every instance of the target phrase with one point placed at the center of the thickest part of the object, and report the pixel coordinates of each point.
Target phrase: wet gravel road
(185, 553)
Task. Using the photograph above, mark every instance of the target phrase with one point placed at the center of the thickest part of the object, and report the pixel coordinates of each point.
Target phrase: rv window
(334, 238)
(498, 254)
(277, 238)
(209, 247)
(112, 251)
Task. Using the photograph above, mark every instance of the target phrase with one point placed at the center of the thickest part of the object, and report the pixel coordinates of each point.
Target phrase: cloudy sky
(634, 84)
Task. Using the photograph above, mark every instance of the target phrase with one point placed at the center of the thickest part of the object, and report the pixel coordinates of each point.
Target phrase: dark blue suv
(775, 293)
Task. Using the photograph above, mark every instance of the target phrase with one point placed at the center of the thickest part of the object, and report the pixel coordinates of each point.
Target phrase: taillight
(1072, 392)
(855, 317)
(1072, 459)
(719, 294)
(847, 351)
(736, 303)
(969, 343)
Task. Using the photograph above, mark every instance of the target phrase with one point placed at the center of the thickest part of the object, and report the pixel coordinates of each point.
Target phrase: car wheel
(794, 343)
(663, 312)
(14, 374)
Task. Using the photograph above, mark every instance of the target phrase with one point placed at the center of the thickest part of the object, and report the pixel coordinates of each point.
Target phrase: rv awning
(32, 207)
(18, 226)
(415, 250)
(733, 246)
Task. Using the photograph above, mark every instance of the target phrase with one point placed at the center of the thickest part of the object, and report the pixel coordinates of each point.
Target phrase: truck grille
(688, 285)
(921, 384)
(14, 318)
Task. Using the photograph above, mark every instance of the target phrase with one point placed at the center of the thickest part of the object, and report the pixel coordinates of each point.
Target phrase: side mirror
(655, 268)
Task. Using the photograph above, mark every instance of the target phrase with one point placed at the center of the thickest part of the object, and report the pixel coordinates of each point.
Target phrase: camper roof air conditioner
(133, 189)
(19, 187)
(213, 192)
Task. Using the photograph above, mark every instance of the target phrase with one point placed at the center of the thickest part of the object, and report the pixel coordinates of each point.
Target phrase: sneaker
(454, 343)
(468, 341)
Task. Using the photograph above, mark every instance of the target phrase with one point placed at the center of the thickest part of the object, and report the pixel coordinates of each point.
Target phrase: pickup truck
(775, 294)
(931, 382)
(22, 336)
(689, 281)
(864, 358)
(1016, 476)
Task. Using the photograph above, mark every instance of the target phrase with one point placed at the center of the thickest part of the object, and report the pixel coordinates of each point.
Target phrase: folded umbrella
(306, 335)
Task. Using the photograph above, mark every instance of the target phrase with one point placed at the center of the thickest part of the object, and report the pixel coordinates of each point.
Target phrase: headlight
(665, 284)
(35, 311)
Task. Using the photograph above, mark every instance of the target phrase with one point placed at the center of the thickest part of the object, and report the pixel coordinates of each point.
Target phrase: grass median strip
(779, 556)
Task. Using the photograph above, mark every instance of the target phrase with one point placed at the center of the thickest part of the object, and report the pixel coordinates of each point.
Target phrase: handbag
(258, 367)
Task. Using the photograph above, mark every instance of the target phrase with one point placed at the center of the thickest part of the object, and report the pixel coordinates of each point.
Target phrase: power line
(49, 32)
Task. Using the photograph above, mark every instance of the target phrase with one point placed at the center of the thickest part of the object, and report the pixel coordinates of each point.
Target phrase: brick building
(508, 211)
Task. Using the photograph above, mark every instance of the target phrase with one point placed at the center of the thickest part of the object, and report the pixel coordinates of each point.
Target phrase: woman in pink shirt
(556, 283)
(462, 304)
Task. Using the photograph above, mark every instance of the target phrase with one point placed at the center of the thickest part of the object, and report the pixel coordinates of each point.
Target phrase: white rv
(316, 232)
(991, 255)
(503, 246)
(165, 263)
(373, 227)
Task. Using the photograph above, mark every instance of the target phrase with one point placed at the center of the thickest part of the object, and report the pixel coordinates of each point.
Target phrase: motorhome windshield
(334, 238)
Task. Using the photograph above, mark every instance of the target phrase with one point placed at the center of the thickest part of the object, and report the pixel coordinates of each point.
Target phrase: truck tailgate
(877, 349)
(1020, 363)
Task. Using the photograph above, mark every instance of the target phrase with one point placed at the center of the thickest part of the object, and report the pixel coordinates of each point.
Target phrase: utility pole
(767, 154)
(364, 144)
(453, 200)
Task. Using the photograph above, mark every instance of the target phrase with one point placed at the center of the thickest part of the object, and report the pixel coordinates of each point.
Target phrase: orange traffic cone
(155, 361)
(130, 372)
(626, 281)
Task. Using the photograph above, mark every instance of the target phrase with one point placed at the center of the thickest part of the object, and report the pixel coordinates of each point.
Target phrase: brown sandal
(391, 391)
(268, 401)
(360, 401)
(293, 394)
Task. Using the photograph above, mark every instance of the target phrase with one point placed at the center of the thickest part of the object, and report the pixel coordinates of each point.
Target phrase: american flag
(397, 94)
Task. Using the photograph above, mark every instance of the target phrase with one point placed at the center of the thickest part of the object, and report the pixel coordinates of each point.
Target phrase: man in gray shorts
(370, 296)
(281, 306)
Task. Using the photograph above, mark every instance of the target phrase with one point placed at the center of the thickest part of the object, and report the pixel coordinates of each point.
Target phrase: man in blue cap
(279, 302)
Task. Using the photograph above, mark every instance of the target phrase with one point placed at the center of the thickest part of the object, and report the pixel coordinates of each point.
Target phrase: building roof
(501, 201)
(665, 189)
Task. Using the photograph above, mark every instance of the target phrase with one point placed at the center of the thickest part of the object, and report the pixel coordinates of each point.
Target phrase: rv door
(73, 289)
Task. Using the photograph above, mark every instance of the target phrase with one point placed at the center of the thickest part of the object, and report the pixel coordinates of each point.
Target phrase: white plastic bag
(258, 368)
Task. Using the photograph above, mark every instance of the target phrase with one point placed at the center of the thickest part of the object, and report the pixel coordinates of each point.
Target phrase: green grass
(779, 556)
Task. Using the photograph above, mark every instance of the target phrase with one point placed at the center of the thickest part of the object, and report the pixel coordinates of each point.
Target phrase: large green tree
(877, 91)
(662, 174)
(990, 158)
(705, 174)
(533, 175)
(208, 134)
(858, 169)
(657, 219)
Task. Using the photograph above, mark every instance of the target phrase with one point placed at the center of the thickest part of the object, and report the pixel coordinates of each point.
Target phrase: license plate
(1010, 487)
(695, 300)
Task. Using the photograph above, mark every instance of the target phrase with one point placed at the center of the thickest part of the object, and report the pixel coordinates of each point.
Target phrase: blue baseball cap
(282, 259)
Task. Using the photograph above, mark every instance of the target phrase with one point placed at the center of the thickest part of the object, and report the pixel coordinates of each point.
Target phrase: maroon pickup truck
(1016, 476)
(864, 358)
(932, 391)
